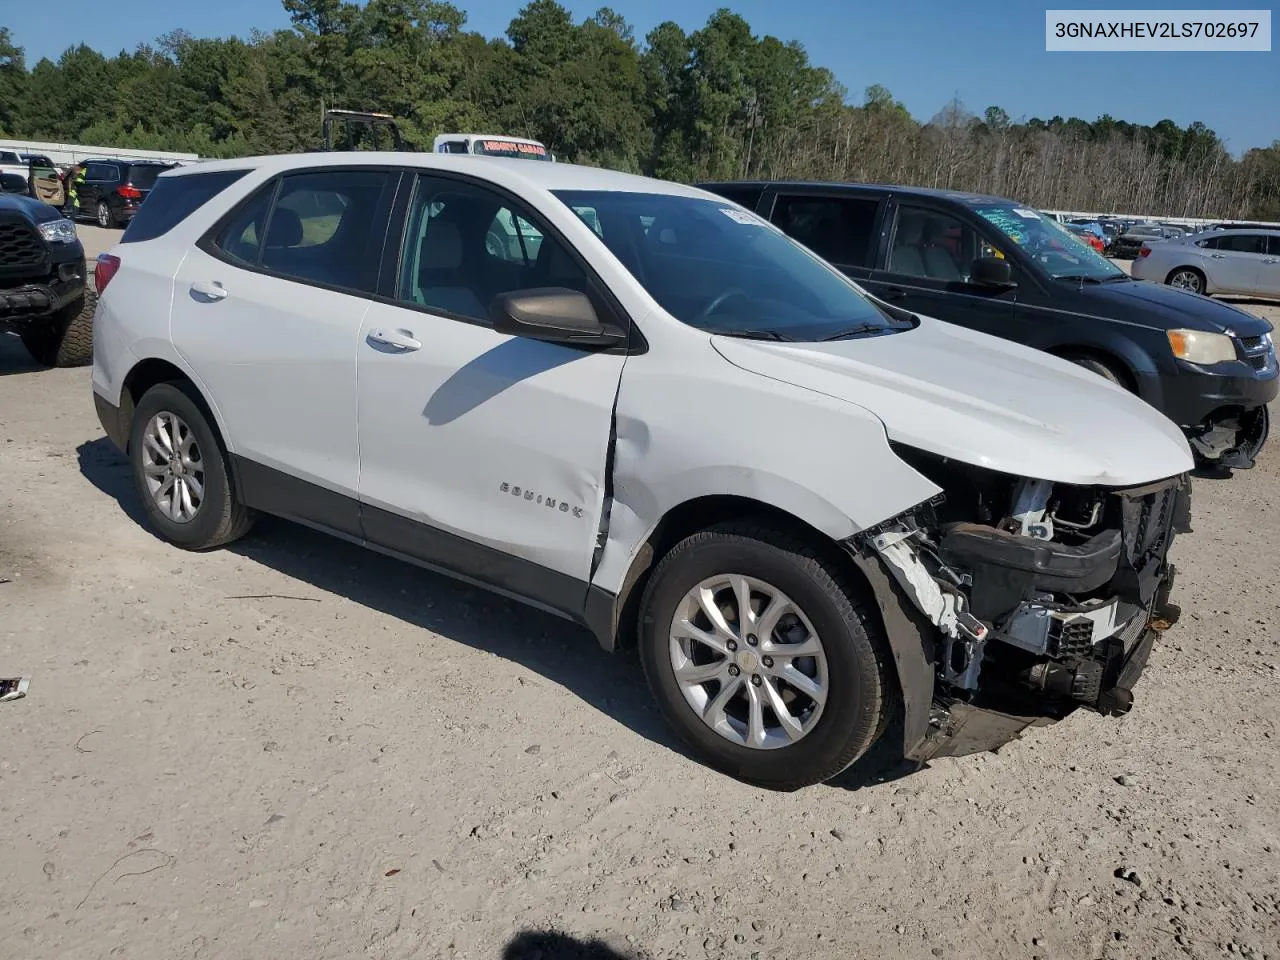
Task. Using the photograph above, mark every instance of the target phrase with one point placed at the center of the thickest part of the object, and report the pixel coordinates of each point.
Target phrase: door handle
(1272, 260)
(893, 293)
(1218, 256)
(399, 339)
(209, 289)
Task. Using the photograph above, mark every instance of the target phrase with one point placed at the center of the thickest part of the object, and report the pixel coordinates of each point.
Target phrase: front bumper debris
(1016, 631)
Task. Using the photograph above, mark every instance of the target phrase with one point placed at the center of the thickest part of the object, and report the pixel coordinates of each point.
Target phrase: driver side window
(934, 245)
(465, 245)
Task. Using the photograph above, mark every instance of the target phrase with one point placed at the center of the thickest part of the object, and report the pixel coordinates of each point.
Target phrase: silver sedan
(1241, 262)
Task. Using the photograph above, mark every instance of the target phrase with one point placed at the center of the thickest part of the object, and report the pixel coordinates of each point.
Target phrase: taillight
(1144, 251)
(104, 270)
(129, 193)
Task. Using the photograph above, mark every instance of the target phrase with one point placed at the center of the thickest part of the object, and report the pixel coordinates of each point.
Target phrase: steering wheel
(719, 301)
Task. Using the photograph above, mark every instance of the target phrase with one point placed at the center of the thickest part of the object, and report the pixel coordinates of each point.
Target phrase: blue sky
(925, 51)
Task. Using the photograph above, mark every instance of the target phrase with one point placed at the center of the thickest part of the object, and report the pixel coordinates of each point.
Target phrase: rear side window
(838, 229)
(323, 227)
(745, 196)
(1243, 243)
(144, 176)
(173, 200)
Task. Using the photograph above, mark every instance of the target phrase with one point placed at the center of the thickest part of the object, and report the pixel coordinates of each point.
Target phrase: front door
(267, 312)
(926, 268)
(481, 453)
(1269, 274)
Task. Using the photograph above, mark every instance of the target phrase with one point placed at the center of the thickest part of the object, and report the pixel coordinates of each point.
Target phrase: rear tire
(175, 412)
(831, 613)
(66, 338)
(106, 219)
(1187, 278)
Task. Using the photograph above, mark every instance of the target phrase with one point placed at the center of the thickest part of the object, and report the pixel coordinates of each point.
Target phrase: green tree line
(717, 102)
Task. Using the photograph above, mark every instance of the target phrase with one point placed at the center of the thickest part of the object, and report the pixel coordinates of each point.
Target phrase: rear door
(925, 265)
(482, 453)
(1235, 262)
(840, 226)
(267, 311)
(96, 177)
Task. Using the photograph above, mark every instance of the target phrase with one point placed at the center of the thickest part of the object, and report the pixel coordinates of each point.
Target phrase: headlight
(58, 231)
(1196, 346)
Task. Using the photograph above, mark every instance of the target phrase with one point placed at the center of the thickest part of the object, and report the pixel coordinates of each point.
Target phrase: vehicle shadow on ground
(14, 358)
(550, 945)
(559, 651)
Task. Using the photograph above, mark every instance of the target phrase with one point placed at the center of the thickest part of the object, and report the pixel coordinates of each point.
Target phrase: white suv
(641, 407)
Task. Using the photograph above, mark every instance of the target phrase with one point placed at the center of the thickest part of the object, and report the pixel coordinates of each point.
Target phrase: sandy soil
(296, 749)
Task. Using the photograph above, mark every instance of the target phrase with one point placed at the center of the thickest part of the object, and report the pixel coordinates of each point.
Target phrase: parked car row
(1243, 262)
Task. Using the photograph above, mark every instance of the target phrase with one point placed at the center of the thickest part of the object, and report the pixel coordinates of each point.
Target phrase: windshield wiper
(1076, 277)
(864, 328)
(762, 334)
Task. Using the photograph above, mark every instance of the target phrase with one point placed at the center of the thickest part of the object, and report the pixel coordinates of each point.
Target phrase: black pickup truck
(43, 294)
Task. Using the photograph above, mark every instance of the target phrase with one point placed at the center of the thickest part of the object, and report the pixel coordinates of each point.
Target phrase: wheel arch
(1112, 359)
(615, 618)
(148, 373)
(1204, 276)
(612, 617)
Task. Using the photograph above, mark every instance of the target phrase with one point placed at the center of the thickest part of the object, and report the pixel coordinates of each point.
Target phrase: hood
(983, 401)
(29, 208)
(1167, 308)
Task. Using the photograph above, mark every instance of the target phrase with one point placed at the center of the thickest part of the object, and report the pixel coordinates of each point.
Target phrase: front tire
(1102, 369)
(66, 339)
(785, 697)
(180, 471)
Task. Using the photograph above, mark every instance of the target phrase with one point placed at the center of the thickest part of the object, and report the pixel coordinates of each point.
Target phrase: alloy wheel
(1186, 280)
(173, 467)
(749, 662)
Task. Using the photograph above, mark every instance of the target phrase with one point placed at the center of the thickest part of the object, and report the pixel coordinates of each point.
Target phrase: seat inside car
(908, 246)
(442, 276)
(939, 264)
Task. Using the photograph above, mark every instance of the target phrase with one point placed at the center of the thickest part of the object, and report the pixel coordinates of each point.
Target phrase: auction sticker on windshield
(741, 216)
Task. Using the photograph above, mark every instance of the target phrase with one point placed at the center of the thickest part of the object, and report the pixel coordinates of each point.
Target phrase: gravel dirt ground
(298, 749)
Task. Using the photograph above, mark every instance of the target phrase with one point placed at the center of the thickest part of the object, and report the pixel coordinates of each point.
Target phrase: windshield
(721, 269)
(511, 148)
(1059, 252)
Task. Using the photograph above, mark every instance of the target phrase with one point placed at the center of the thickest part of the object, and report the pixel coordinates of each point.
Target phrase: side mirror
(992, 272)
(555, 314)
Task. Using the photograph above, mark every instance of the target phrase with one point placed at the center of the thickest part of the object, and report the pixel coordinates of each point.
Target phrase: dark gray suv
(114, 189)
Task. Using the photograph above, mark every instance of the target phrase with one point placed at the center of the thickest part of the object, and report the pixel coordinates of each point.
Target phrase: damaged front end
(1030, 599)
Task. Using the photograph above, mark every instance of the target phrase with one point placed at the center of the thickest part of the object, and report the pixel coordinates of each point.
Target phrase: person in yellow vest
(75, 177)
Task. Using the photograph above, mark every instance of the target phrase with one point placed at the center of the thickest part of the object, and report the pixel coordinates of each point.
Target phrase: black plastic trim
(273, 491)
(112, 422)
